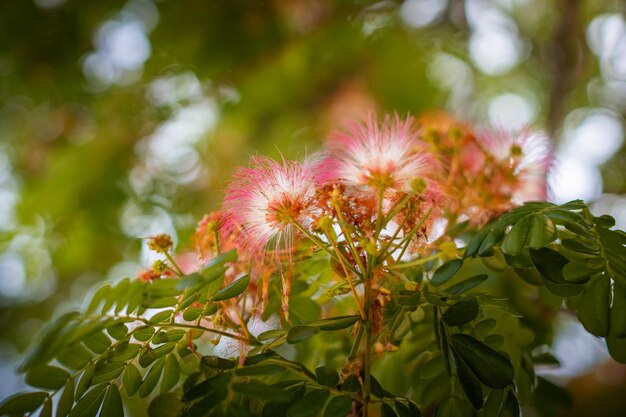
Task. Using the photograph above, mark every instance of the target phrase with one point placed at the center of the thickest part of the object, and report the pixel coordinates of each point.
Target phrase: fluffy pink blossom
(528, 155)
(385, 155)
(264, 201)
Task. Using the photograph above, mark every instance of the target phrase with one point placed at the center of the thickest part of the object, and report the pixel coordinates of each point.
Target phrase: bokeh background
(121, 119)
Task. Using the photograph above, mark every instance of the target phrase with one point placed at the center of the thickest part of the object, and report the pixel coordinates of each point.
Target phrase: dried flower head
(160, 243)
(263, 203)
(387, 155)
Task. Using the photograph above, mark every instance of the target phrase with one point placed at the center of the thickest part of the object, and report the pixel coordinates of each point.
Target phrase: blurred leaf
(47, 377)
(165, 405)
(22, 403)
(492, 368)
(326, 376)
(339, 406)
(464, 311)
(112, 405)
(89, 405)
(233, 290)
(445, 272)
(593, 311)
(310, 405)
(261, 390)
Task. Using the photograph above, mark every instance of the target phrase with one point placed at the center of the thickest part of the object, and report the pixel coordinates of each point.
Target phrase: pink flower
(388, 155)
(264, 201)
(529, 157)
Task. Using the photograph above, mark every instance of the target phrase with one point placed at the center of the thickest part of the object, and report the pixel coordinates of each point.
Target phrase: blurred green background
(121, 119)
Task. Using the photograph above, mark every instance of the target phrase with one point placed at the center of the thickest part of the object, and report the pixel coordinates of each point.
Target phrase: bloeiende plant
(367, 281)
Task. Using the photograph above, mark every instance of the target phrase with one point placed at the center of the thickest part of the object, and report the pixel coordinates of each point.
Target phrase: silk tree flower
(388, 156)
(527, 157)
(264, 202)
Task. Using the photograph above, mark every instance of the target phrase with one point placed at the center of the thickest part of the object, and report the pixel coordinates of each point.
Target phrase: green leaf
(300, 333)
(445, 272)
(521, 260)
(151, 379)
(46, 410)
(22, 403)
(515, 240)
(258, 370)
(171, 374)
(582, 269)
(581, 245)
(409, 410)
(112, 405)
(494, 340)
(106, 371)
(215, 385)
(618, 310)
(143, 333)
(97, 342)
(326, 376)
(511, 406)
(409, 298)
(161, 316)
(89, 405)
(271, 334)
(617, 348)
(339, 406)
(50, 342)
(594, 309)
(494, 403)
(66, 401)
(486, 325)
(100, 295)
(232, 290)
(131, 379)
(474, 244)
(604, 221)
(85, 380)
(494, 236)
(215, 362)
(165, 405)
(334, 323)
(192, 314)
(550, 264)
(125, 353)
(542, 231)
(387, 411)
(261, 390)
(75, 357)
(310, 405)
(351, 384)
(118, 331)
(464, 311)
(47, 377)
(169, 336)
(492, 368)
(469, 382)
(467, 284)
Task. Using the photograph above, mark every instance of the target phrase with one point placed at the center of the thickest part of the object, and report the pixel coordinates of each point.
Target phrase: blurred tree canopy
(120, 119)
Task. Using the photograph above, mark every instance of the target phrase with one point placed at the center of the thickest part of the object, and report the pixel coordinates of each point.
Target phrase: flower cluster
(393, 175)
(378, 193)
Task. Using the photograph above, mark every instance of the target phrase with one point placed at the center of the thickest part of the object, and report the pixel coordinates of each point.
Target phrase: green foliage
(464, 349)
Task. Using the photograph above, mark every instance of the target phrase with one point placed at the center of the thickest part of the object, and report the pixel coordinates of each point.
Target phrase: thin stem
(357, 343)
(367, 359)
(173, 262)
(417, 262)
(404, 243)
(379, 211)
(320, 244)
(343, 263)
(343, 224)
